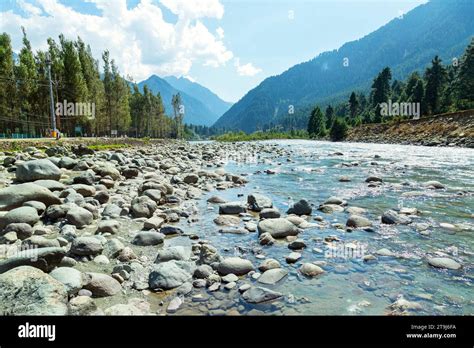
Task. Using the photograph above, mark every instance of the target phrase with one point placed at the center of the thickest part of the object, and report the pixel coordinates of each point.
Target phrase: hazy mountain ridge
(405, 45)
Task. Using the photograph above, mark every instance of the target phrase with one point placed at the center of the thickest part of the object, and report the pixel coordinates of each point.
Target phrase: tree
(317, 123)
(8, 90)
(338, 130)
(435, 77)
(178, 114)
(381, 91)
(464, 84)
(27, 77)
(353, 105)
(329, 116)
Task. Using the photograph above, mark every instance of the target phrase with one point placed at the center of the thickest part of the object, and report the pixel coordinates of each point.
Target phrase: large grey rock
(260, 294)
(27, 290)
(258, 202)
(108, 226)
(22, 230)
(85, 246)
(232, 208)
(43, 258)
(301, 207)
(171, 274)
(27, 215)
(106, 169)
(143, 206)
(270, 213)
(41, 169)
(444, 262)
(146, 238)
(272, 276)
(51, 185)
(311, 270)
(72, 279)
(235, 265)
(208, 255)
(14, 196)
(173, 253)
(79, 216)
(358, 221)
(278, 228)
(102, 285)
(391, 217)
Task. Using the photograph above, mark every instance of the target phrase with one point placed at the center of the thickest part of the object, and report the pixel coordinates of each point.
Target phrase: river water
(349, 285)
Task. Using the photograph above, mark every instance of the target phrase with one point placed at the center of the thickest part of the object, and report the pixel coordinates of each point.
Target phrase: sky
(228, 46)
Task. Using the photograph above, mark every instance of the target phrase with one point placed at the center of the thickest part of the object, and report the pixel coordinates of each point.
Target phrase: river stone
(209, 255)
(232, 208)
(43, 258)
(82, 305)
(216, 199)
(235, 265)
(170, 274)
(108, 226)
(203, 271)
(434, 184)
(27, 290)
(297, 244)
(102, 285)
(173, 253)
(260, 294)
(72, 279)
(27, 215)
(311, 270)
(170, 229)
(270, 213)
(15, 195)
(272, 276)
(22, 230)
(268, 264)
(227, 220)
(301, 207)
(147, 238)
(84, 190)
(358, 221)
(86, 246)
(106, 169)
(41, 242)
(86, 178)
(330, 208)
(258, 202)
(266, 239)
(444, 262)
(41, 169)
(373, 179)
(174, 305)
(278, 228)
(293, 257)
(143, 206)
(79, 217)
(191, 179)
(155, 222)
(391, 217)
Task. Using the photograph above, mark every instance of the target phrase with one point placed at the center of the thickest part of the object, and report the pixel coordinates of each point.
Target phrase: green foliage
(260, 135)
(338, 130)
(317, 124)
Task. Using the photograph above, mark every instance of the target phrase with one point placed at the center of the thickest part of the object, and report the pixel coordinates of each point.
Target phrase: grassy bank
(260, 135)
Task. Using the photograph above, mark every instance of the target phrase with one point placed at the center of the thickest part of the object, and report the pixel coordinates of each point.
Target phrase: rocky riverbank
(453, 129)
(88, 232)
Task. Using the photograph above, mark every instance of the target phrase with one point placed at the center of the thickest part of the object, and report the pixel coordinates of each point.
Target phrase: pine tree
(8, 90)
(338, 130)
(464, 84)
(353, 105)
(27, 76)
(381, 91)
(435, 77)
(178, 116)
(317, 123)
(329, 116)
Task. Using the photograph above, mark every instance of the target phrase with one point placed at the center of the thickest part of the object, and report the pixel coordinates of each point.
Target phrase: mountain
(439, 27)
(201, 93)
(195, 111)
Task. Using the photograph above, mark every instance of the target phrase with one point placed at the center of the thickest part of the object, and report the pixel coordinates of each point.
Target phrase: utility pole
(53, 116)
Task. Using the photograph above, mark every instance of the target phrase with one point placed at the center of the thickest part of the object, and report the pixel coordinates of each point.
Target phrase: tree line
(120, 107)
(441, 89)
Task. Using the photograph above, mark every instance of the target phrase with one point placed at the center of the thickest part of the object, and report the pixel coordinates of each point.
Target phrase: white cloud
(247, 69)
(139, 39)
(220, 33)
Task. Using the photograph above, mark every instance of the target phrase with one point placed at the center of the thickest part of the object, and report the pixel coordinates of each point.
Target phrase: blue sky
(229, 46)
